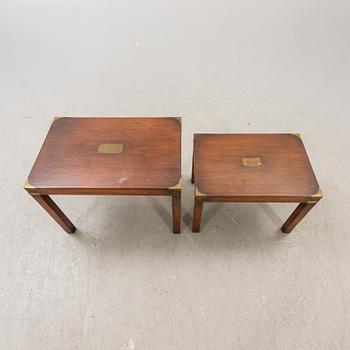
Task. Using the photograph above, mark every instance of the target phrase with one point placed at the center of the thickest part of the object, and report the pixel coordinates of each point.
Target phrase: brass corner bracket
(318, 194)
(198, 193)
(27, 185)
(297, 135)
(56, 118)
(176, 186)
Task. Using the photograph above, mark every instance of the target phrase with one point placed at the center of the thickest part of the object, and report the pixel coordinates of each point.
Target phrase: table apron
(107, 192)
(260, 199)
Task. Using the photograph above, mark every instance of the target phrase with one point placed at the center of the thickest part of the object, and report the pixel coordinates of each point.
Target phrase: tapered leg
(192, 174)
(297, 215)
(197, 215)
(176, 201)
(55, 212)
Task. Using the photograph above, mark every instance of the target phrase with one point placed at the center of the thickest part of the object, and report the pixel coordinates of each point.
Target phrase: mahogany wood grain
(285, 171)
(282, 174)
(176, 204)
(70, 161)
(298, 214)
(69, 158)
(197, 215)
(55, 212)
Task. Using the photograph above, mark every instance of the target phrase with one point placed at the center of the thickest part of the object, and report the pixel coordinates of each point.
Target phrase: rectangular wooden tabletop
(109, 153)
(253, 167)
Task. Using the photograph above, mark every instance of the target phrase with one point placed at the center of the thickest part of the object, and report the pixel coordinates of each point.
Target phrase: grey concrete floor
(124, 281)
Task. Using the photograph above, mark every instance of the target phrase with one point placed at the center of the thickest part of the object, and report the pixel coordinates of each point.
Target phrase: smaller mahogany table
(108, 156)
(253, 168)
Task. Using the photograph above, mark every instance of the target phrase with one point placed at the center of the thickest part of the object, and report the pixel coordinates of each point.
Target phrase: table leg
(297, 215)
(197, 215)
(55, 212)
(176, 202)
(192, 173)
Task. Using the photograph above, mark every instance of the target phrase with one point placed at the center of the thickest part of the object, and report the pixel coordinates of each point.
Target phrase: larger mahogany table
(108, 156)
(253, 168)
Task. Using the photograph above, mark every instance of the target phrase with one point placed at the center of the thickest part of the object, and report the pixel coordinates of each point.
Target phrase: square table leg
(176, 204)
(298, 214)
(55, 212)
(192, 173)
(197, 215)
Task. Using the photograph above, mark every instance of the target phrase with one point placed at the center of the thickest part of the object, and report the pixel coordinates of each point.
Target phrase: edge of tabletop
(57, 118)
(176, 188)
(314, 198)
(172, 190)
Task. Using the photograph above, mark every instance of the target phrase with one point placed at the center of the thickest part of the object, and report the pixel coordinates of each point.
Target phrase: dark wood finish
(298, 214)
(253, 168)
(55, 212)
(109, 191)
(176, 204)
(285, 170)
(69, 158)
(197, 215)
(257, 199)
(146, 161)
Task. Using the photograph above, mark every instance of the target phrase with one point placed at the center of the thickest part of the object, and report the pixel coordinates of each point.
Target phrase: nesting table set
(142, 156)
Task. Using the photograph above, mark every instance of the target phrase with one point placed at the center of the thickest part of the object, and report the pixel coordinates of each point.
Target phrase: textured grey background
(124, 281)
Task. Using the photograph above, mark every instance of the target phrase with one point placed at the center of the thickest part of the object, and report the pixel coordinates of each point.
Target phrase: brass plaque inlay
(110, 148)
(251, 161)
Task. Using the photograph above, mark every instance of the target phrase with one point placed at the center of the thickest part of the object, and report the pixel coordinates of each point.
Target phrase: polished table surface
(109, 153)
(108, 156)
(253, 166)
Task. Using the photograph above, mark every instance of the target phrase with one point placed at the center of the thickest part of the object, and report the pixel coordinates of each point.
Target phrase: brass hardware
(198, 193)
(251, 161)
(110, 148)
(319, 194)
(56, 118)
(27, 185)
(297, 135)
(176, 187)
(179, 119)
